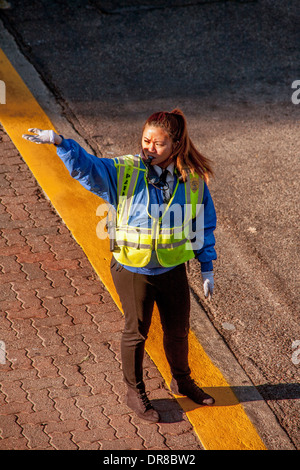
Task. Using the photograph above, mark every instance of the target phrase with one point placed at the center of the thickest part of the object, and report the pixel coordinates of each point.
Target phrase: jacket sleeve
(207, 253)
(98, 175)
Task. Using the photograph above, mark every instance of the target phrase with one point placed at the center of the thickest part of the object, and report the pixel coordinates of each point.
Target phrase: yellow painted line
(222, 426)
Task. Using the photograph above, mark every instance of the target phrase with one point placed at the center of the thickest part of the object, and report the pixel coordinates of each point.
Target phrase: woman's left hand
(208, 284)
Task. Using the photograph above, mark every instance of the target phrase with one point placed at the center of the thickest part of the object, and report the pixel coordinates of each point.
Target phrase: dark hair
(185, 155)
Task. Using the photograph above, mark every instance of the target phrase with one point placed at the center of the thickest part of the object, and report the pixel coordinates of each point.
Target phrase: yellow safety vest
(134, 244)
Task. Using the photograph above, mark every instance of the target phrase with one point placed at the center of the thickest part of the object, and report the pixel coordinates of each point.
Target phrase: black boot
(139, 402)
(186, 386)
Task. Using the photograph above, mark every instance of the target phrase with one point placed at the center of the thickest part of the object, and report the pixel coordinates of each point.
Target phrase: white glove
(208, 284)
(42, 137)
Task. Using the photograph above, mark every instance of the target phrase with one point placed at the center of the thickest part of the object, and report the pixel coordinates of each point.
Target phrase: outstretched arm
(97, 175)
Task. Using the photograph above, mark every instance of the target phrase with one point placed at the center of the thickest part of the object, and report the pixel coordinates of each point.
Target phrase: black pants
(137, 293)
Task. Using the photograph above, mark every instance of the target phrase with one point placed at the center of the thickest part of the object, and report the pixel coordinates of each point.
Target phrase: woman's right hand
(43, 136)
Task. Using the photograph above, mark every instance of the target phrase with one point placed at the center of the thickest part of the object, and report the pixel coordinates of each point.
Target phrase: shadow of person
(230, 396)
(290, 391)
(171, 410)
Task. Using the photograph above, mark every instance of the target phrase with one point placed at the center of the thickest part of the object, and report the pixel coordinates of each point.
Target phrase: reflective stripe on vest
(129, 167)
(135, 244)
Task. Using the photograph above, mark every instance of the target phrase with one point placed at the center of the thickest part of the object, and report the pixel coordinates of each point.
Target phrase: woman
(164, 216)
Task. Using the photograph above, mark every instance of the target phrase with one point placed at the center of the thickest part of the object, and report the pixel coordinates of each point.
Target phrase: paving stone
(124, 429)
(93, 435)
(13, 392)
(123, 444)
(66, 426)
(62, 441)
(45, 366)
(9, 427)
(96, 419)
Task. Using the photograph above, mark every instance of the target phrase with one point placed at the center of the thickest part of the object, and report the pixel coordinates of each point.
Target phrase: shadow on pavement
(169, 409)
(227, 396)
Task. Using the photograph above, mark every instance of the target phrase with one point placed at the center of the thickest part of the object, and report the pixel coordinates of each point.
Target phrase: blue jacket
(99, 175)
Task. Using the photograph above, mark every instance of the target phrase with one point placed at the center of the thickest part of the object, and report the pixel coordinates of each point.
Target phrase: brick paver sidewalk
(61, 381)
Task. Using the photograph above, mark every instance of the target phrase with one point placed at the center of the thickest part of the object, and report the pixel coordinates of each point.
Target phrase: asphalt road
(229, 65)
